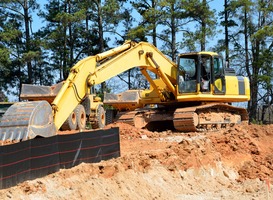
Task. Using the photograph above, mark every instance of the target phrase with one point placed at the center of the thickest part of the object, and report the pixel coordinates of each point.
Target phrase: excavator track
(144, 118)
(212, 116)
(185, 120)
(126, 117)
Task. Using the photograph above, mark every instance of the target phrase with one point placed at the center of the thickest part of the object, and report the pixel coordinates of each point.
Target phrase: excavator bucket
(27, 120)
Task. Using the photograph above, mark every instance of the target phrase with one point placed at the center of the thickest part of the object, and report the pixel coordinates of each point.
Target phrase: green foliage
(4, 57)
(17, 50)
(263, 33)
(137, 34)
(151, 13)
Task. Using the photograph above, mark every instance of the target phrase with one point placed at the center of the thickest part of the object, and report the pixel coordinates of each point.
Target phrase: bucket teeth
(27, 120)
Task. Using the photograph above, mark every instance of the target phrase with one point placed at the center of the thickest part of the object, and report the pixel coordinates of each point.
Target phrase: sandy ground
(235, 163)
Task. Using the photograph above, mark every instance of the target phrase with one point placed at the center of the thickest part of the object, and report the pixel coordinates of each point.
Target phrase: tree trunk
(226, 34)
(101, 41)
(129, 80)
(64, 47)
(71, 45)
(27, 23)
(203, 28)
(154, 25)
(154, 35)
(252, 104)
(173, 32)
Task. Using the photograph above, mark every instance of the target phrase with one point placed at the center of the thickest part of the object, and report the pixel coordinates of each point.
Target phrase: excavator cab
(201, 72)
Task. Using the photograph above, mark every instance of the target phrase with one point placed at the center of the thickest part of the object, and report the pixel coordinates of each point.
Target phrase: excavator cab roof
(198, 53)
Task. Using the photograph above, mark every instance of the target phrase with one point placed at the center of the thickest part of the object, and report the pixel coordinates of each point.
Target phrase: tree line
(72, 30)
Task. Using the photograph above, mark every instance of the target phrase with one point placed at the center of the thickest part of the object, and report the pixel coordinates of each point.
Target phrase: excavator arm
(142, 55)
(96, 69)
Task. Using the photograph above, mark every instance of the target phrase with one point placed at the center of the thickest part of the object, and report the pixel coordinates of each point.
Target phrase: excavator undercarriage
(211, 116)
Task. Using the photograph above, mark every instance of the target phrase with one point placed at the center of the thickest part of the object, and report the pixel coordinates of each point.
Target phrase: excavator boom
(97, 69)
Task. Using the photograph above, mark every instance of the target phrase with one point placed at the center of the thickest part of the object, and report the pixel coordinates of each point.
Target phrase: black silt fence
(41, 156)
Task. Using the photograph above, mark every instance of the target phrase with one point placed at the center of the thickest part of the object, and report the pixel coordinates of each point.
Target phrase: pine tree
(252, 48)
(103, 17)
(151, 17)
(17, 41)
(204, 20)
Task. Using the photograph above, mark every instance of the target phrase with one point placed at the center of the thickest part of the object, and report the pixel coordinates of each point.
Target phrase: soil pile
(235, 163)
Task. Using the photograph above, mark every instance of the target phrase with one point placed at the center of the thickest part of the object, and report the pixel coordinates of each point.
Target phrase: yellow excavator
(193, 95)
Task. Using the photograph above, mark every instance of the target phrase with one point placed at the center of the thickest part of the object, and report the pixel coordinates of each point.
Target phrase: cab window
(187, 65)
(187, 74)
(218, 67)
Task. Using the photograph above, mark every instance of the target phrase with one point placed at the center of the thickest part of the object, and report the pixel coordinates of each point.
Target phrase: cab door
(218, 78)
(205, 73)
(187, 74)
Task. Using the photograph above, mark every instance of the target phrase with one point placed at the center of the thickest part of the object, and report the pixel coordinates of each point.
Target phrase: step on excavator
(194, 94)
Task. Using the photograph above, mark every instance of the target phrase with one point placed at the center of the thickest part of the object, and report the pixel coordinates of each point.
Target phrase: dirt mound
(234, 163)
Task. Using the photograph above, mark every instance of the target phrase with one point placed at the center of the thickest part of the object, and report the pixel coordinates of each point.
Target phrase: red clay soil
(235, 163)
